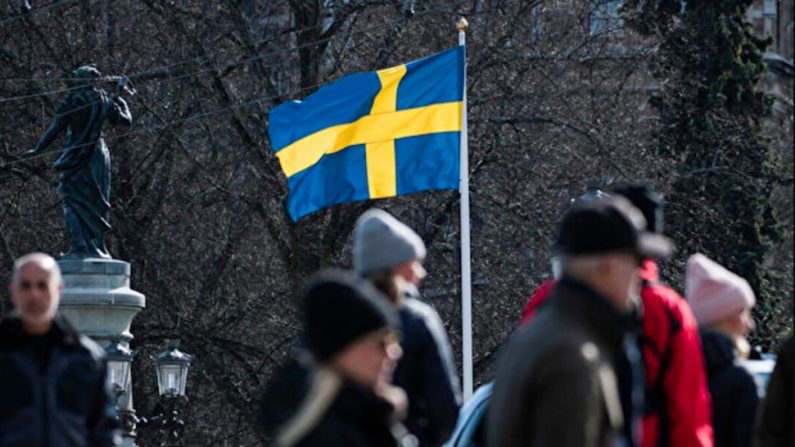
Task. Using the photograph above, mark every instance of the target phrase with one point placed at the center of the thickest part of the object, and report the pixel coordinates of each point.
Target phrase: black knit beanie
(340, 308)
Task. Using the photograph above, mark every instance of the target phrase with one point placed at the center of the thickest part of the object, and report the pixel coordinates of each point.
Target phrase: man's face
(35, 294)
(625, 277)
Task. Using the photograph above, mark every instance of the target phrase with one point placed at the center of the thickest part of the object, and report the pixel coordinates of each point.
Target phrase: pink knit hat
(715, 293)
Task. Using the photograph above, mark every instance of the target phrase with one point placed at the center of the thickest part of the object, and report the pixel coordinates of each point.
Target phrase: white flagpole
(466, 265)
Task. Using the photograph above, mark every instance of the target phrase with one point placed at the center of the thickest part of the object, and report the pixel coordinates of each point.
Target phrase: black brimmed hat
(606, 225)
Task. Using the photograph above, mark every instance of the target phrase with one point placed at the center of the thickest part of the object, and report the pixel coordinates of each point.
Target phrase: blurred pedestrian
(390, 254)
(722, 302)
(573, 377)
(676, 403)
(775, 425)
(677, 410)
(337, 392)
(54, 389)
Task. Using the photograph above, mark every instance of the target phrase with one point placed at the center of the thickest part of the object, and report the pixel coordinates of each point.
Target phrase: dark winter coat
(427, 373)
(54, 390)
(677, 405)
(733, 391)
(307, 406)
(558, 380)
(775, 425)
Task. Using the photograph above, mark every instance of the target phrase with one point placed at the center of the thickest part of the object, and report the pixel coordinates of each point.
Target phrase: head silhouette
(86, 75)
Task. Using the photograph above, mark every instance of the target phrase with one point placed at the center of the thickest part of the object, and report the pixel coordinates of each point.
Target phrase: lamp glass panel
(170, 378)
(119, 371)
(184, 381)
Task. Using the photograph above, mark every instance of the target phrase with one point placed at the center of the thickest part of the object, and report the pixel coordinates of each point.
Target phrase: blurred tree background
(563, 94)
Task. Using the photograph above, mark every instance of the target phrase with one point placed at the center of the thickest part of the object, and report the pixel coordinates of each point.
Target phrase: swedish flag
(373, 135)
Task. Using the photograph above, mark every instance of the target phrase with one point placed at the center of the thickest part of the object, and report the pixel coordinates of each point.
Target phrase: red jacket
(536, 299)
(670, 338)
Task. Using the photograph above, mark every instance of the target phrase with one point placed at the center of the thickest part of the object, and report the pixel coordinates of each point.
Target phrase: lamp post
(98, 301)
(172, 370)
(172, 367)
(119, 358)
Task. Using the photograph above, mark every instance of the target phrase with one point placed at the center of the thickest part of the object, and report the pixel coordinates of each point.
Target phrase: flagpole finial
(462, 25)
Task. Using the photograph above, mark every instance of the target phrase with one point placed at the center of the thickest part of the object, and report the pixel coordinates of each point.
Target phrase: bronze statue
(84, 166)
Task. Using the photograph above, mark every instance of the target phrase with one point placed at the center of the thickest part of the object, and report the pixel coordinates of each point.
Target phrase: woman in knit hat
(722, 302)
(337, 392)
(389, 254)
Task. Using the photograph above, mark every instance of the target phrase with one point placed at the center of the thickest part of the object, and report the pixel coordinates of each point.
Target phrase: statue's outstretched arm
(120, 113)
(56, 126)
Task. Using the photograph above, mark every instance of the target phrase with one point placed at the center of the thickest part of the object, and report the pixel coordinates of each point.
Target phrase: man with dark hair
(573, 377)
(53, 382)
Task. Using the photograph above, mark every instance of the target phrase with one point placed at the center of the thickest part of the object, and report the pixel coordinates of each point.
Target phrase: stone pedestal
(98, 301)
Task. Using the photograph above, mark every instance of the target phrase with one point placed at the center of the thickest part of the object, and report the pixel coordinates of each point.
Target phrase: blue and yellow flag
(373, 135)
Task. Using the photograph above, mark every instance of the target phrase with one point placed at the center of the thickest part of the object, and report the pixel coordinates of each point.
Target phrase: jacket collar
(303, 394)
(356, 401)
(13, 335)
(718, 350)
(593, 309)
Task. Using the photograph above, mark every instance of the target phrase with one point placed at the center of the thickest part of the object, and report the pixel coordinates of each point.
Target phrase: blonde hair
(390, 284)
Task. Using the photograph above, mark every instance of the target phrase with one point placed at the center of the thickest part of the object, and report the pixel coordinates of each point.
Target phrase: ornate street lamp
(98, 300)
(172, 375)
(172, 370)
(120, 358)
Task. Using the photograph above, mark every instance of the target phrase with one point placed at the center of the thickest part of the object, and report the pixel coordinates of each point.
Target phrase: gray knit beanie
(381, 242)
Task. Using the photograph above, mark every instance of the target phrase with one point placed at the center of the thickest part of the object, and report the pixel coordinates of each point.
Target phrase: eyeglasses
(384, 339)
(41, 286)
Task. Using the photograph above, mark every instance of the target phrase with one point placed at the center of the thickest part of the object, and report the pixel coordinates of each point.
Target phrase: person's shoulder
(284, 393)
(417, 313)
(742, 376)
(410, 318)
(10, 333)
(743, 383)
(418, 308)
(733, 377)
(90, 348)
(544, 339)
(661, 293)
(69, 337)
(535, 358)
(541, 353)
(659, 298)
